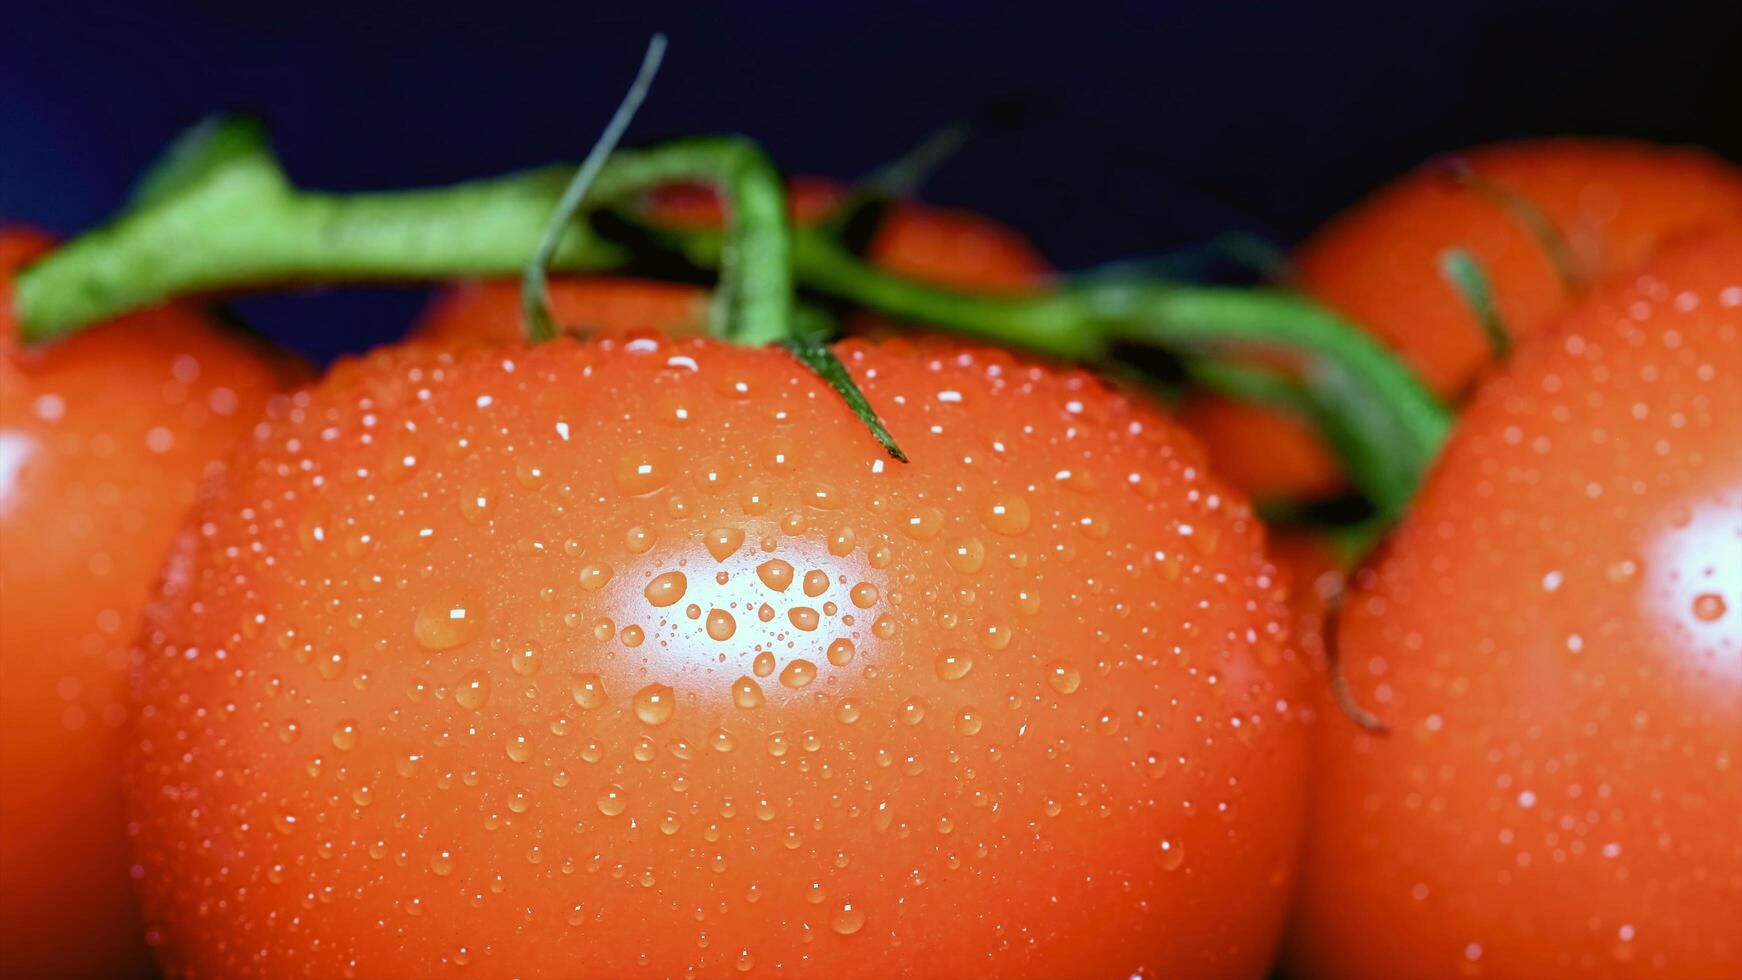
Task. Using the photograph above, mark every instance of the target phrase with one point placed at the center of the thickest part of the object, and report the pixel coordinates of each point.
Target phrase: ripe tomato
(103, 441)
(955, 248)
(1615, 204)
(638, 657)
(1553, 638)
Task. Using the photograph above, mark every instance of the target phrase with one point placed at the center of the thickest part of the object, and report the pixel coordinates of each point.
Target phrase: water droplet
(722, 740)
(1006, 514)
(589, 691)
(848, 711)
(473, 691)
(968, 722)
(642, 470)
(1063, 677)
(775, 574)
(613, 801)
(1173, 854)
(816, 582)
(798, 673)
(594, 576)
(441, 864)
(746, 693)
(527, 659)
(345, 735)
(1709, 607)
(913, 711)
(723, 542)
(923, 524)
(803, 617)
(840, 652)
(446, 623)
(953, 665)
(967, 556)
(666, 589)
(655, 703)
(331, 663)
(519, 745)
(721, 625)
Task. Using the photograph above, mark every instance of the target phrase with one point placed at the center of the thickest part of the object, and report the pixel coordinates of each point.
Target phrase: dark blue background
(1102, 129)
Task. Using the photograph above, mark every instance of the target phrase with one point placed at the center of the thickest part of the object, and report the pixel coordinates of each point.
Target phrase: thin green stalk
(241, 224)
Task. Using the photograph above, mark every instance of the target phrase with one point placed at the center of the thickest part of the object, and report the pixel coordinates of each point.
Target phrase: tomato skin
(1614, 202)
(1552, 635)
(103, 440)
(1066, 740)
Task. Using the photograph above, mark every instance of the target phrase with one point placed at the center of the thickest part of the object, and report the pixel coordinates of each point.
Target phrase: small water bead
(1006, 514)
(847, 919)
(604, 629)
(477, 506)
(289, 731)
(345, 735)
(762, 664)
(804, 618)
(632, 636)
(721, 625)
(1063, 677)
(967, 556)
(840, 652)
(923, 524)
(723, 542)
(655, 704)
(1709, 607)
(745, 962)
(913, 711)
(848, 711)
(666, 589)
(969, 722)
(637, 540)
(1173, 854)
(441, 864)
(883, 627)
(1155, 765)
(842, 541)
(613, 801)
(594, 576)
(526, 659)
(996, 636)
(953, 665)
(445, 624)
(864, 595)
(642, 471)
(519, 746)
(777, 744)
(775, 573)
(798, 674)
(746, 693)
(589, 691)
(816, 582)
(722, 740)
(473, 691)
(330, 664)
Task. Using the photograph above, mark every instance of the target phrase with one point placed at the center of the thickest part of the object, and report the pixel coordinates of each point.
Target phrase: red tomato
(638, 657)
(1553, 637)
(1615, 203)
(103, 441)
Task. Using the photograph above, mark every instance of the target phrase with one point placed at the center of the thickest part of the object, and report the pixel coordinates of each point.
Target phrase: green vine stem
(241, 224)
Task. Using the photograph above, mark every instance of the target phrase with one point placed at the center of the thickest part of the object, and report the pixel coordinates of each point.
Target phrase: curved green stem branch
(236, 223)
(241, 224)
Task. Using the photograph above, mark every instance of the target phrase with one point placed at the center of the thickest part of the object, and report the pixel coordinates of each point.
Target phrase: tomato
(952, 247)
(1552, 636)
(103, 441)
(1614, 203)
(638, 657)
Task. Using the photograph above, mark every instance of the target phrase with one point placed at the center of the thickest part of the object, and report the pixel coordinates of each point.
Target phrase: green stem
(241, 224)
